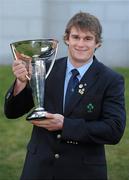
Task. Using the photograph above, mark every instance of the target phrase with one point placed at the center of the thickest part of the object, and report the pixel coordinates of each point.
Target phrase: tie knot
(74, 72)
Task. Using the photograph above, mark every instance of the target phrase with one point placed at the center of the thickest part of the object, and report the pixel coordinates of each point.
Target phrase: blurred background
(29, 19)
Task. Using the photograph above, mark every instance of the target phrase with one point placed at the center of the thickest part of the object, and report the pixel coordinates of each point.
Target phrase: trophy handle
(52, 63)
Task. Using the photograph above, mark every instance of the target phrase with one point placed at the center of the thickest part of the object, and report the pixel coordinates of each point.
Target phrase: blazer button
(58, 136)
(57, 156)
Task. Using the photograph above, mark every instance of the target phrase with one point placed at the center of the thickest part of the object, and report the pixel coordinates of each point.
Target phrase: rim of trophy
(40, 39)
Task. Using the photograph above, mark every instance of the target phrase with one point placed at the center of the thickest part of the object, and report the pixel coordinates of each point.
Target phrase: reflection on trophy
(38, 53)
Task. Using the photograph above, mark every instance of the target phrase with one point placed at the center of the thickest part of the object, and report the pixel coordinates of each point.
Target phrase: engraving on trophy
(37, 52)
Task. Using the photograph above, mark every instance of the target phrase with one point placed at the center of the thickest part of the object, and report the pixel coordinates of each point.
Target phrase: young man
(69, 143)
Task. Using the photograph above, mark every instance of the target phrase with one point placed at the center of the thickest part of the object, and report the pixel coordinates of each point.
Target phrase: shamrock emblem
(90, 107)
(81, 88)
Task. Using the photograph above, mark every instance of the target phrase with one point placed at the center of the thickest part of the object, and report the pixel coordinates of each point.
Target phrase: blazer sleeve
(110, 127)
(17, 106)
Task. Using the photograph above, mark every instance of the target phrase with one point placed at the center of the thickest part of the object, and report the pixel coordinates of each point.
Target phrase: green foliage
(14, 135)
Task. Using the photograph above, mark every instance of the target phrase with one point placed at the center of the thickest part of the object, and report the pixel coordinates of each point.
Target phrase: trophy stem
(38, 85)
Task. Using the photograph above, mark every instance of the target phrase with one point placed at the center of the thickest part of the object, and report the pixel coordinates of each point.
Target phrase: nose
(81, 42)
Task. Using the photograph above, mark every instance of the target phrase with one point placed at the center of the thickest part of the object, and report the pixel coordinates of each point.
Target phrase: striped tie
(73, 81)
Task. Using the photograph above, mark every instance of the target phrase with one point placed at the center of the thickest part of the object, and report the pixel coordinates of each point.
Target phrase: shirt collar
(81, 69)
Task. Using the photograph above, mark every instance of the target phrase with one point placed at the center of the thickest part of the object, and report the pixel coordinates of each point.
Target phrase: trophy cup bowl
(37, 52)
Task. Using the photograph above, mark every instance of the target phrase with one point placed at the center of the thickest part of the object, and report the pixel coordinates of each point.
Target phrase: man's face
(81, 45)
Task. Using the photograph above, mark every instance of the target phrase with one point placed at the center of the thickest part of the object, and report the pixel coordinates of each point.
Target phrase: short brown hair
(84, 21)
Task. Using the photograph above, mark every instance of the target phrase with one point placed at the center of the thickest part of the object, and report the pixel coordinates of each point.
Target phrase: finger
(20, 71)
(49, 115)
(46, 125)
(15, 62)
(44, 122)
(17, 67)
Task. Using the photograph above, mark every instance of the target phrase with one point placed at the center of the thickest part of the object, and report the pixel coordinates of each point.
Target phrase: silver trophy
(38, 53)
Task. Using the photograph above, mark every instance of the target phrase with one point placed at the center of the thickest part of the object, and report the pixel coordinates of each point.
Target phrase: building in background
(29, 19)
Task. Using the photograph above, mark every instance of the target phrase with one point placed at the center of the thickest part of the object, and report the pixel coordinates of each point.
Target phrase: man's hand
(21, 70)
(52, 122)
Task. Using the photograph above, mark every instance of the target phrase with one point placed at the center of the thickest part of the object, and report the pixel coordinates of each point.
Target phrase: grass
(14, 135)
(118, 155)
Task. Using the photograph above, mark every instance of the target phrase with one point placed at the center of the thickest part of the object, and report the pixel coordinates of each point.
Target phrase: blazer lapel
(84, 86)
(58, 89)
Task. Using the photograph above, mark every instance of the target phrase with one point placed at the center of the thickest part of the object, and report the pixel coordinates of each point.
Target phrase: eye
(88, 38)
(76, 37)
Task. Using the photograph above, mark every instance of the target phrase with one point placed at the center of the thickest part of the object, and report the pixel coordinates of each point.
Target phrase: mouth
(80, 50)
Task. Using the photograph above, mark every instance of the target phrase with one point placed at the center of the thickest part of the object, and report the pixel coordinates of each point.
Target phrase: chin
(79, 60)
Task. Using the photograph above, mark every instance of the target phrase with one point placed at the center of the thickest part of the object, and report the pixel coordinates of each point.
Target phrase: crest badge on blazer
(90, 108)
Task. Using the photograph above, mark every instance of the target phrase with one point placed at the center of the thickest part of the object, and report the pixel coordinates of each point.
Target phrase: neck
(80, 63)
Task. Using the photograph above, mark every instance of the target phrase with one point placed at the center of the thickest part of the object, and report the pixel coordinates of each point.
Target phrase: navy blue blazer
(95, 117)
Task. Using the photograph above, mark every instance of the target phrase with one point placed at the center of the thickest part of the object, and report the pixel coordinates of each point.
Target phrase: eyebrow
(86, 36)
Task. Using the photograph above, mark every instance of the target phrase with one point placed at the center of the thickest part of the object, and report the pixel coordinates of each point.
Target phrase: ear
(98, 45)
(67, 42)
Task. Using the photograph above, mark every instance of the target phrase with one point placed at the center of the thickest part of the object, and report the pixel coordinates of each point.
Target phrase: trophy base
(37, 114)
